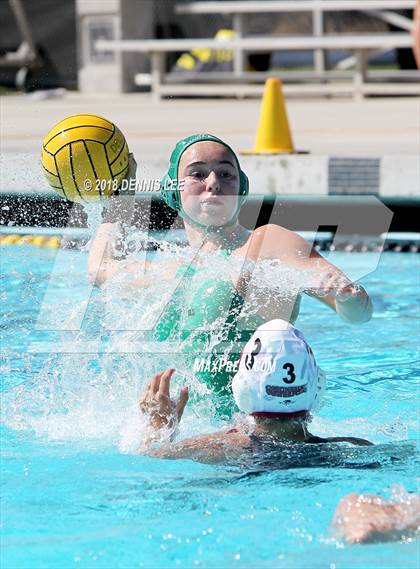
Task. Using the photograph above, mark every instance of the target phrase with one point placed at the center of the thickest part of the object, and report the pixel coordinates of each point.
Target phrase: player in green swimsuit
(199, 305)
(205, 311)
(207, 314)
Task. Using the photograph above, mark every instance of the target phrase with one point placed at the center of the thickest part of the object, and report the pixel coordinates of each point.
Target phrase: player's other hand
(156, 402)
(335, 283)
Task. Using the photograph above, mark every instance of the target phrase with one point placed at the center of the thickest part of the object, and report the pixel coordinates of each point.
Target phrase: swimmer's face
(211, 183)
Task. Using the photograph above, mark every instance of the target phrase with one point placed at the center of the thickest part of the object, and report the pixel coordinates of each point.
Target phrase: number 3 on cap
(290, 368)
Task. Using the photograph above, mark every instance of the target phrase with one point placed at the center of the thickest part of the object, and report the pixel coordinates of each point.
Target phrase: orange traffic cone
(273, 134)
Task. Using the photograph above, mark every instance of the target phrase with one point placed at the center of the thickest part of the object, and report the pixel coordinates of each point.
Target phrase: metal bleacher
(357, 80)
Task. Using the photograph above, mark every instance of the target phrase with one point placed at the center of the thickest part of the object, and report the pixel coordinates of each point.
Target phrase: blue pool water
(76, 494)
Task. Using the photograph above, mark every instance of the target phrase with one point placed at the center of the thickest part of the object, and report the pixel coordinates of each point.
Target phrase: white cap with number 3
(278, 374)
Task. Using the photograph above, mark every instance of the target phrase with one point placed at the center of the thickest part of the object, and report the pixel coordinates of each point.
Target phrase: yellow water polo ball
(85, 158)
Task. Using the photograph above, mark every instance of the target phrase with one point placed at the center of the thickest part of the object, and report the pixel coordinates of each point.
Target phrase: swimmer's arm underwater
(367, 519)
(351, 440)
(328, 283)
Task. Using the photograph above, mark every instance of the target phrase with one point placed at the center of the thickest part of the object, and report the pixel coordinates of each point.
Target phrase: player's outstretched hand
(156, 402)
(336, 283)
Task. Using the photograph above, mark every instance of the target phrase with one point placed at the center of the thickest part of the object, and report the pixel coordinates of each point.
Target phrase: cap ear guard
(171, 197)
(243, 186)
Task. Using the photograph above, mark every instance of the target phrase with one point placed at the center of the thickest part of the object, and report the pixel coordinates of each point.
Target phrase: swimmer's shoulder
(211, 449)
(227, 439)
(312, 439)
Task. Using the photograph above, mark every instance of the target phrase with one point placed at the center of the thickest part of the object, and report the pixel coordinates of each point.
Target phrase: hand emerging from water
(156, 402)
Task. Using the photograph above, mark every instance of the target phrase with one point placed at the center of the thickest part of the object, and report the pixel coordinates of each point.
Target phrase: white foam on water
(81, 396)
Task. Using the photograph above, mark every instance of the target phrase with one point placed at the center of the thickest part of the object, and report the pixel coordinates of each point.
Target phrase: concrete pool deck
(367, 147)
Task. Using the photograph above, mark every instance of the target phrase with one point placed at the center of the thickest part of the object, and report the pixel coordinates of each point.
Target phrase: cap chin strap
(209, 228)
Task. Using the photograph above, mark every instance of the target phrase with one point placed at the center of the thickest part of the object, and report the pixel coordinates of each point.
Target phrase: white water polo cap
(278, 374)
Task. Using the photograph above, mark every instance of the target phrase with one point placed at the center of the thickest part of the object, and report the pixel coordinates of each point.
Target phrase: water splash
(88, 384)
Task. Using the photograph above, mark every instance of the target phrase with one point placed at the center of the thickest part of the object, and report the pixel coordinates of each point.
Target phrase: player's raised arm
(107, 248)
